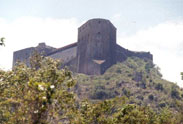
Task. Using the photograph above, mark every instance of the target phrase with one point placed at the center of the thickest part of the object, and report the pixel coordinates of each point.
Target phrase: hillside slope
(137, 79)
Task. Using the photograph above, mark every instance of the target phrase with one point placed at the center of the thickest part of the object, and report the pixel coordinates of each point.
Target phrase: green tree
(2, 41)
(101, 112)
(166, 117)
(36, 96)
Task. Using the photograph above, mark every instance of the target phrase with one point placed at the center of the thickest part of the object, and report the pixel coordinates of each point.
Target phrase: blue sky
(143, 13)
(142, 25)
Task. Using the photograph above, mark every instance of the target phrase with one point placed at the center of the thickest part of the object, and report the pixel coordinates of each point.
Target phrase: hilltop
(137, 79)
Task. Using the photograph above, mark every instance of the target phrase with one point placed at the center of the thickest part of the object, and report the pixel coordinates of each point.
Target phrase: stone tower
(96, 46)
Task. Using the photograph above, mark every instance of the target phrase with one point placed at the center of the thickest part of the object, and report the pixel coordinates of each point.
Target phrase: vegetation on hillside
(126, 93)
(137, 79)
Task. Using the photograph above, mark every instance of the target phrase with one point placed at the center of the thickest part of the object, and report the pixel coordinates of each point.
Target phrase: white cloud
(165, 42)
(29, 31)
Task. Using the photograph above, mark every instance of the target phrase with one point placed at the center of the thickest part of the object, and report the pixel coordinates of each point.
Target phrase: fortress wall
(23, 55)
(93, 53)
(65, 55)
(143, 55)
(122, 54)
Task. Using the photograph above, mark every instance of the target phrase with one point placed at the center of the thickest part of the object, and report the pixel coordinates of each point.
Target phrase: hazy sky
(142, 25)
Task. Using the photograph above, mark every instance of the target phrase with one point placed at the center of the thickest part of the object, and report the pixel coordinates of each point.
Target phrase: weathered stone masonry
(93, 53)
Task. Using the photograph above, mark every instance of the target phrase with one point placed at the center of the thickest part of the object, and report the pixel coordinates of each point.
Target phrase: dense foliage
(35, 96)
(44, 94)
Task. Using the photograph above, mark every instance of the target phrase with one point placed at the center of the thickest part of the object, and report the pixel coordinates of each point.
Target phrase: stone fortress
(94, 52)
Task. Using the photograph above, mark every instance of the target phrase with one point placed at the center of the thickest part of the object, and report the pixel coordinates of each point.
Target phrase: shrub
(140, 97)
(118, 71)
(143, 85)
(100, 92)
(151, 97)
(126, 92)
(148, 66)
(118, 84)
(162, 104)
(175, 93)
(159, 86)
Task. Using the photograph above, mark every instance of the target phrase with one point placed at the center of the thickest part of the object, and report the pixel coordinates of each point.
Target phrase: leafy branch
(2, 41)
